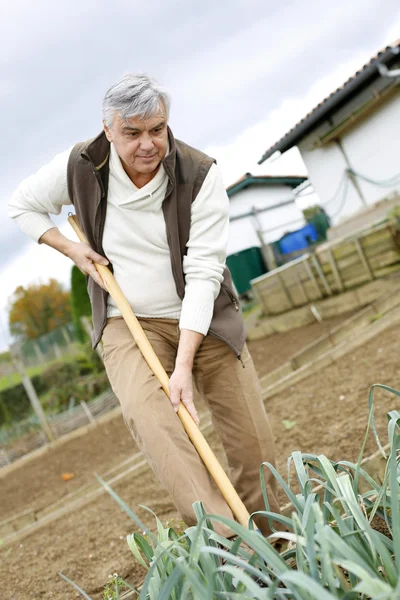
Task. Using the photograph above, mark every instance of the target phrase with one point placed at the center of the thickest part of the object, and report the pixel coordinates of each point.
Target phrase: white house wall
(279, 220)
(259, 196)
(242, 235)
(371, 146)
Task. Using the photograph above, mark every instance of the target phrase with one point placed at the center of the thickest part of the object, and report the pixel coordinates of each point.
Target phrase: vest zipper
(99, 242)
(221, 337)
(97, 175)
(172, 256)
(231, 296)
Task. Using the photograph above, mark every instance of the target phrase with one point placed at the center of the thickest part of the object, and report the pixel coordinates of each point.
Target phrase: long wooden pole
(210, 460)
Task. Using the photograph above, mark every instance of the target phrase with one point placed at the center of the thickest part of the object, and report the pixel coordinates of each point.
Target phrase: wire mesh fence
(46, 348)
(25, 436)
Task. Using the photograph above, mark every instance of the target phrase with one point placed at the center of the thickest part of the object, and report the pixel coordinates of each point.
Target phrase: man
(156, 211)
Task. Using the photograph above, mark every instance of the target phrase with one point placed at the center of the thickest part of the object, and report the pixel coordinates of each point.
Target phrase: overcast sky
(240, 73)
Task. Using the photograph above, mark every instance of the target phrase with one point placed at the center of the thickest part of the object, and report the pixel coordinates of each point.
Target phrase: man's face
(141, 144)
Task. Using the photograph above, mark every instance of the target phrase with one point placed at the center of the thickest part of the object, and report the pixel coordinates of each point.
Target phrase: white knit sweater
(135, 239)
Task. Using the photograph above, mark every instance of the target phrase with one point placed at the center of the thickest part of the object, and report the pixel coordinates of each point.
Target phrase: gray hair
(134, 96)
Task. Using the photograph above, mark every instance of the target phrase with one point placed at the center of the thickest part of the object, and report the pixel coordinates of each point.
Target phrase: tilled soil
(329, 411)
(38, 483)
(271, 352)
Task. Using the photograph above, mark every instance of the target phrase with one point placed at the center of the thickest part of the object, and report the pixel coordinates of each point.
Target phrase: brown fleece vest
(186, 168)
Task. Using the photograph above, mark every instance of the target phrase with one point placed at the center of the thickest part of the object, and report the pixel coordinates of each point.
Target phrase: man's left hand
(181, 390)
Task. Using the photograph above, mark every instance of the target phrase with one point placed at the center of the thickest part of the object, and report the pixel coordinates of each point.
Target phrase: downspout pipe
(352, 177)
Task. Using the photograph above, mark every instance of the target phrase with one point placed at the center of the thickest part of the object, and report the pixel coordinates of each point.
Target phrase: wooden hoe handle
(221, 479)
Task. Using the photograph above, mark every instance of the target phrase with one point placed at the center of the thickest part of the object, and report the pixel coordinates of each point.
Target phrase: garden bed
(326, 413)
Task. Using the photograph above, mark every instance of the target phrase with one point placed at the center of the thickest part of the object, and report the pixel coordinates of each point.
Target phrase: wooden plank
(335, 271)
(282, 269)
(285, 290)
(388, 258)
(387, 270)
(317, 266)
(260, 299)
(363, 259)
(314, 281)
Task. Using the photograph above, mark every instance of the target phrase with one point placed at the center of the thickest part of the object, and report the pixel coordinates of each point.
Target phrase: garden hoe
(215, 469)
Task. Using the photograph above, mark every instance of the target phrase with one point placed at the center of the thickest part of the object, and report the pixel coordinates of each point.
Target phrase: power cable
(342, 183)
(343, 200)
(380, 183)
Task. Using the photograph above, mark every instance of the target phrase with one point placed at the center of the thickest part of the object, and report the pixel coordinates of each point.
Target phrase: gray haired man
(155, 210)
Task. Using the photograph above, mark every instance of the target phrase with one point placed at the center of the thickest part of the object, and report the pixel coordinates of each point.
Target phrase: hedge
(60, 376)
(80, 302)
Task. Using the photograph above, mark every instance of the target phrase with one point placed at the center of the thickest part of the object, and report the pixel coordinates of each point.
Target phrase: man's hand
(84, 258)
(181, 390)
(181, 382)
(81, 254)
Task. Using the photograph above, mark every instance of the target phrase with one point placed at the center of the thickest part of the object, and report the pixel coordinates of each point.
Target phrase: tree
(80, 302)
(38, 309)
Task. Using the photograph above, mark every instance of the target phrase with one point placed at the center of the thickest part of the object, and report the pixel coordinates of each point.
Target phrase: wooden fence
(334, 267)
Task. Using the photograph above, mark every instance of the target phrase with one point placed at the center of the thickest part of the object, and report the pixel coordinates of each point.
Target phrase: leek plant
(335, 549)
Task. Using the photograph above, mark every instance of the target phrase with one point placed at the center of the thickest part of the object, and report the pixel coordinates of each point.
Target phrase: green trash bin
(245, 266)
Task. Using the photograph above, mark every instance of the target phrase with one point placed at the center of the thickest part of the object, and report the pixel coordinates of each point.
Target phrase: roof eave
(360, 80)
(292, 182)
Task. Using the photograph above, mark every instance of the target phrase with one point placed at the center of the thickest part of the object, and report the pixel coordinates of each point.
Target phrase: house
(350, 141)
(262, 207)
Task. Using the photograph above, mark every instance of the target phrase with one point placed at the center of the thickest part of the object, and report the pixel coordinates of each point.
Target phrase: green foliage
(89, 358)
(60, 373)
(5, 414)
(80, 302)
(311, 211)
(15, 378)
(5, 357)
(14, 402)
(56, 384)
(8, 381)
(394, 213)
(38, 309)
(60, 397)
(335, 550)
(115, 586)
(318, 217)
(79, 379)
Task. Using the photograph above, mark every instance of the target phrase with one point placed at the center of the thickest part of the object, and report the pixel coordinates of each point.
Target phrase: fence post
(88, 412)
(39, 354)
(57, 351)
(66, 336)
(33, 398)
(4, 458)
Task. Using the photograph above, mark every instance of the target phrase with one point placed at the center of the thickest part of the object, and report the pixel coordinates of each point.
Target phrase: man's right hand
(81, 254)
(84, 258)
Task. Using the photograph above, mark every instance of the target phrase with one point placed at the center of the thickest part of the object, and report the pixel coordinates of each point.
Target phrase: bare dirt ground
(330, 412)
(271, 352)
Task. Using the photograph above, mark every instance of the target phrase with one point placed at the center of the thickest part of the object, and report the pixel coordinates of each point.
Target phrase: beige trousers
(232, 393)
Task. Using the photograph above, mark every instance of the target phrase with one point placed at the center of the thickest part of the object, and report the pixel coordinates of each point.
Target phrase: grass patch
(9, 381)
